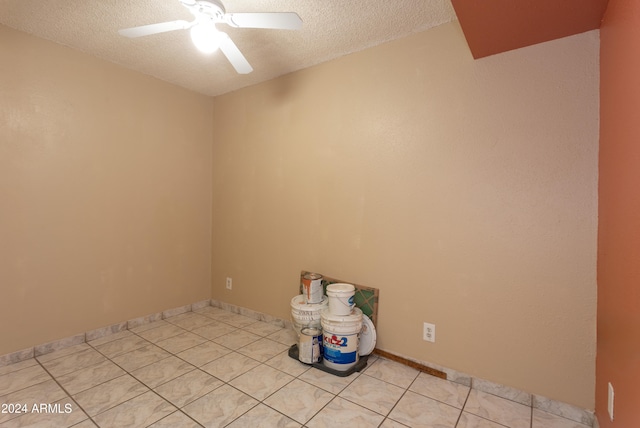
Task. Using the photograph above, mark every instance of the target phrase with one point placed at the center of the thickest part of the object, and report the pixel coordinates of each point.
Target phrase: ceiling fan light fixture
(205, 37)
(208, 39)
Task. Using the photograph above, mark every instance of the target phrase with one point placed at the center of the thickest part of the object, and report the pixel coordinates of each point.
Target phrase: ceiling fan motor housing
(211, 10)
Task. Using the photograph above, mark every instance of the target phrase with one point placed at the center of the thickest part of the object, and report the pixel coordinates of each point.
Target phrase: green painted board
(365, 298)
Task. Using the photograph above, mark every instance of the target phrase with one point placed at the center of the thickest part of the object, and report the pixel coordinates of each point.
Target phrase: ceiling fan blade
(233, 54)
(162, 27)
(275, 20)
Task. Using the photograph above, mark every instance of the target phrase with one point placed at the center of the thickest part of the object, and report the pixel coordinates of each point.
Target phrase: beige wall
(466, 191)
(105, 193)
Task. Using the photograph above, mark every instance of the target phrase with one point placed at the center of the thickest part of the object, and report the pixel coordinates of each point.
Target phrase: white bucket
(306, 314)
(341, 298)
(340, 339)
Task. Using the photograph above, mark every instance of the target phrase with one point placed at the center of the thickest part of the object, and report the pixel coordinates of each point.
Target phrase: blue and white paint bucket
(340, 339)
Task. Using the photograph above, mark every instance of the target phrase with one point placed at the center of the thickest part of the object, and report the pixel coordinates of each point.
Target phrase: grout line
(396, 404)
(173, 413)
(463, 406)
(68, 394)
(364, 407)
(393, 420)
(321, 409)
(531, 414)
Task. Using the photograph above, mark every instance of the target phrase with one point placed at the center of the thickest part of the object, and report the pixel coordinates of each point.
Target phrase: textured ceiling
(331, 29)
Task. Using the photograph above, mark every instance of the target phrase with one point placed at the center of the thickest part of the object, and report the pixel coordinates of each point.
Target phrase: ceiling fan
(207, 38)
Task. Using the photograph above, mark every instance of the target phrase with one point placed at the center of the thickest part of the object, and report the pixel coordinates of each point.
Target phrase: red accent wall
(494, 26)
(618, 350)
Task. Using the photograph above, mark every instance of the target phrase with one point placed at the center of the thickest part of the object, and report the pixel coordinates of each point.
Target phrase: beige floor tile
(17, 366)
(503, 391)
(374, 394)
(262, 416)
(547, 420)
(446, 391)
(343, 413)
(63, 352)
(235, 320)
(162, 371)
(45, 392)
(262, 349)
(230, 366)
(148, 326)
(110, 338)
(204, 353)
(181, 342)
(121, 346)
(21, 379)
(392, 372)
(262, 328)
(500, 410)
(261, 381)
(190, 320)
(418, 411)
(237, 339)
(89, 377)
(565, 410)
(161, 333)
(73, 362)
(299, 400)
(327, 381)
(220, 407)
(62, 413)
(286, 336)
(109, 394)
(390, 423)
(141, 357)
(469, 420)
(215, 330)
(188, 387)
(140, 411)
(87, 423)
(372, 358)
(176, 420)
(285, 363)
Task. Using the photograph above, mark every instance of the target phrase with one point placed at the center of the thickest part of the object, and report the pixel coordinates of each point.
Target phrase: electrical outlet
(229, 283)
(429, 332)
(610, 401)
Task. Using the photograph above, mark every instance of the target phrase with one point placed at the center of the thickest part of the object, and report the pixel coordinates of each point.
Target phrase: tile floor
(215, 368)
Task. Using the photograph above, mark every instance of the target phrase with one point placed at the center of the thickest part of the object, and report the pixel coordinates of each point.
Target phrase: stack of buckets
(328, 327)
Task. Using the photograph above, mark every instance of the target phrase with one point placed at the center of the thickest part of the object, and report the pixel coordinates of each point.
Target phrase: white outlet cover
(429, 332)
(610, 401)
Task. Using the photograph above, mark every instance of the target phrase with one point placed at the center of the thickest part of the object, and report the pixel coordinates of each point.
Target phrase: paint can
(312, 287)
(310, 345)
(341, 339)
